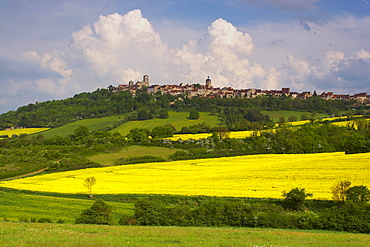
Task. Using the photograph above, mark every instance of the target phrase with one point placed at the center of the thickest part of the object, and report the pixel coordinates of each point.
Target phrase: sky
(54, 49)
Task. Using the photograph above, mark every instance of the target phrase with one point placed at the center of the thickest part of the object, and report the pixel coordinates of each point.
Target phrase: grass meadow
(18, 206)
(252, 176)
(92, 124)
(108, 159)
(177, 119)
(275, 115)
(46, 234)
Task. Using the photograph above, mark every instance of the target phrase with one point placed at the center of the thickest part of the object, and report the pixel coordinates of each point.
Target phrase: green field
(42, 234)
(15, 206)
(177, 119)
(108, 159)
(92, 124)
(275, 115)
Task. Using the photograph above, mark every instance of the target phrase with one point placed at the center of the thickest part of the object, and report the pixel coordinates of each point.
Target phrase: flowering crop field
(255, 176)
(248, 133)
(27, 131)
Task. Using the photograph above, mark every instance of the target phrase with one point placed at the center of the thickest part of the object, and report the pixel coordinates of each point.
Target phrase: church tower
(208, 83)
(145, 82)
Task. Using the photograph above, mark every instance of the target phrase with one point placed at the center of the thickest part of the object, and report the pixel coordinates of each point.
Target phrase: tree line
(350, 213)
(102, 103)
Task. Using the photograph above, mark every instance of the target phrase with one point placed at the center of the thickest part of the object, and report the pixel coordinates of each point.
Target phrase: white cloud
(118, 48)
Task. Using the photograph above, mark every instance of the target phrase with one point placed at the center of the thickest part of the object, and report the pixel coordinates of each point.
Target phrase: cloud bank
(118, 48)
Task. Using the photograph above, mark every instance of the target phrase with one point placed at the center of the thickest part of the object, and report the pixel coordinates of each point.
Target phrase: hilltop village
(208, 91)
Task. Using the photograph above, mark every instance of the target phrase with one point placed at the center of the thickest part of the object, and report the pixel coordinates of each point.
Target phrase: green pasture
(47, 234)
(177, 119)
(18, 206)
(275, 115)
(108, 159)
(92, 124)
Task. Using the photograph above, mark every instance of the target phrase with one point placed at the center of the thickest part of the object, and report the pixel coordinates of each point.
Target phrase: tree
(89, 183)
(292, 118)
(98, 213)
(296, 198)
(162, 131)
(143, 115)
(163, 114)
(223, 132)
(304, 117)
(81, 133)
(358, 194)
(138, 135)
(281, 120)
(193, 114)
(339, 190)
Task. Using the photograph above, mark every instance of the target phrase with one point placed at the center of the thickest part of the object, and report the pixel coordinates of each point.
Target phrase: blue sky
(52, 49)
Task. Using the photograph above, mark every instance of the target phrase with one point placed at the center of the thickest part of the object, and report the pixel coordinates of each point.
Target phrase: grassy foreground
(35, 234)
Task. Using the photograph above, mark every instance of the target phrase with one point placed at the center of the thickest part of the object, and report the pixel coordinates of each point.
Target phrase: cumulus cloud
(118, 48)
(334, 70)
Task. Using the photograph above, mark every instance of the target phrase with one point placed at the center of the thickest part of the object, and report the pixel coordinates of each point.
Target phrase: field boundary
(24, 175)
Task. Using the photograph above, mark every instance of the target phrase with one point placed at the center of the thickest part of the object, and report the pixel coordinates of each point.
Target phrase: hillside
(103, 103)
(177, 119)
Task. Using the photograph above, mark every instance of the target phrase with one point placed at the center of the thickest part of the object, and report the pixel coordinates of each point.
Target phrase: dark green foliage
(193, 114)
(198, 128)
(358, 194)
(98, 213)
(163, 113)
(143, 115)
(44, 220)
(352, 217)
(241, 213)
(295, 198)
(162, 131)
(138, 135)
(127, 220)
(139, 159)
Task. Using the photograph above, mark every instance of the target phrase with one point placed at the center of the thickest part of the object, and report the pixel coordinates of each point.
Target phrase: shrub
(127, 220)
(98, 213)
(44, 220)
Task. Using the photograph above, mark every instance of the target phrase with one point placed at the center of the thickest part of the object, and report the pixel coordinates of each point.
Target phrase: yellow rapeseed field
(27, 131)
(233, 134)
(256, 176)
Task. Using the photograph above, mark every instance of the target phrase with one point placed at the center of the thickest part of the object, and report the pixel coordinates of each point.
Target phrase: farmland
(177, 119)
(27, 131)
(108, 159)
(92, 124)
(275, 115)
(257, 176)
(17, 206)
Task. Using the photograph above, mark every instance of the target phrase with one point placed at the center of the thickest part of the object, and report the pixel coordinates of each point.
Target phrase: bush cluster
(351, 217)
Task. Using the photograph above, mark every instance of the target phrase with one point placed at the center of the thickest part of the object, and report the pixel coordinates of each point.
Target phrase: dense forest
(234, 112)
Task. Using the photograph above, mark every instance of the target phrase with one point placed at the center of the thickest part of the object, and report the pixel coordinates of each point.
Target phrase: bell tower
(145, 82)
(208, 83)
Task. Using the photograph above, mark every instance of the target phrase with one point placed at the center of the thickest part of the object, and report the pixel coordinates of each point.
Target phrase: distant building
(208, 91)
